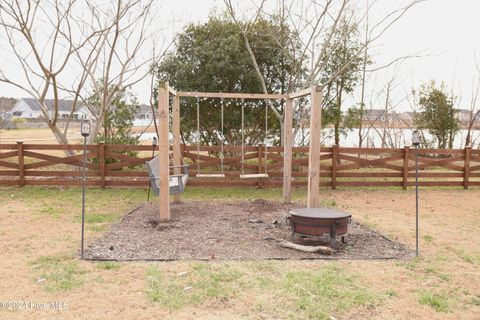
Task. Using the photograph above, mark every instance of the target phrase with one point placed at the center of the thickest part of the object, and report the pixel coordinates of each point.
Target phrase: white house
(143, 115)
(29, 108)
(464, 116)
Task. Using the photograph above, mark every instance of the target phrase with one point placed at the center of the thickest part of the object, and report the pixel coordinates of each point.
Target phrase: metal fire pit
(318, 222)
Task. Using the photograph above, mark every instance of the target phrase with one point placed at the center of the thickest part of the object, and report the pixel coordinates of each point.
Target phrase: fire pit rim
(325, 213)
(318, 221)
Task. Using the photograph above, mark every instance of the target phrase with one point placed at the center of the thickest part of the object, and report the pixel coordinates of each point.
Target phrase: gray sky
(445, 30)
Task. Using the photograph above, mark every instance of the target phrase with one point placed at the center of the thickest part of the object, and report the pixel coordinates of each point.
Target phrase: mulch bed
(216, 230)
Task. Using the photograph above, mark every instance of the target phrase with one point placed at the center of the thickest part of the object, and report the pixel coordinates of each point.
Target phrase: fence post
(101, 163)
(21, 164)
(466, 169)
(260, 163)
(334, 166)
(406, 151)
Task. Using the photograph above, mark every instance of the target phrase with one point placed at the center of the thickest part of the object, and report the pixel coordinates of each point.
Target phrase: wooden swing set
(164, 178)
(243, 175)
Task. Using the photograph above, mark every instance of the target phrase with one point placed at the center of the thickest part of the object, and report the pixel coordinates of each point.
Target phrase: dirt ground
(233, 230)
(449, 265)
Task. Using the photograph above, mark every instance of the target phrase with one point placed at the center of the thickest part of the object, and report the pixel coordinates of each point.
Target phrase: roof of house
(374, 111)
(374, 114)
(144, 109)
(407, 115)
(466, 111)
(66, 105)
(63, 105)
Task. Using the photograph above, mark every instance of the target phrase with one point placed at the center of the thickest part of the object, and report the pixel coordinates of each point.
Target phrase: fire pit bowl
(318, 222)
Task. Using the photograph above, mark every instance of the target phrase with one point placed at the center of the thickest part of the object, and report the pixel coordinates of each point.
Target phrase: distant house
(464, 115)
(407, 118)
(29, 108)
(372, 115)
(144, 112)
(380, 115)
(143, 115)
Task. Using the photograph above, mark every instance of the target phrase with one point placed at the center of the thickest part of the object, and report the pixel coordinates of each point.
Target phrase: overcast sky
(446, 31)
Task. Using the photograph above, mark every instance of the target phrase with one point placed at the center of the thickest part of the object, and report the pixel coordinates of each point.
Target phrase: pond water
(396, 138)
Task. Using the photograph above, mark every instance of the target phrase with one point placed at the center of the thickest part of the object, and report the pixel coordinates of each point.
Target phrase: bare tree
(120, 62)
(363, 80)
(314, 25)
(474, 116)
(44, 58)
(82, 44)
(245, 32)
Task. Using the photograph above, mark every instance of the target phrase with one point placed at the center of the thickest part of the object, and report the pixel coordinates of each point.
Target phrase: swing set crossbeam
(221, 95)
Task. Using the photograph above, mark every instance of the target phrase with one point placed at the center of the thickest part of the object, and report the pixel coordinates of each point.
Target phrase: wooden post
(334, 166)
(163, 150)
(466, 169)
(287, 151)
(21, 164)
(260, 163)
(313, 200)
(176, 140)
(101, 163)
(406, 151)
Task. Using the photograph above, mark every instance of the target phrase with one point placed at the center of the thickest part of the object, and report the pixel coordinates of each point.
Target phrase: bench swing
(222, 155)
(244, 175)
(176, 182)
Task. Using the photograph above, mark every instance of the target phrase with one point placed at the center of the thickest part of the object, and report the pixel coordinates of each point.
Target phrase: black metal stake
(416, 200)
(83, 191)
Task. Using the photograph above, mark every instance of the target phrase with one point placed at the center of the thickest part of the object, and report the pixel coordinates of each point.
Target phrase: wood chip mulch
(216, 230)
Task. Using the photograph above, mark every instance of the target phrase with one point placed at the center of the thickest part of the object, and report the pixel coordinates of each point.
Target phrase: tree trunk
(338, 116)
(385, 115)
(337, 133)
(61, 138)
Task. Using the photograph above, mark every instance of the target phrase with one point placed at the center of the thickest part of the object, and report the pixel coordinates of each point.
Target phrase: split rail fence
(123, 165)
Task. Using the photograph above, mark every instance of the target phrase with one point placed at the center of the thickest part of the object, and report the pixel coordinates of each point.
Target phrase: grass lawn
(40, 237)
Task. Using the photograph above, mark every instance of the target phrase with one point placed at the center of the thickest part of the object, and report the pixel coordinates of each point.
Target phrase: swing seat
(253, 175)
(176, 182)
(210, 175)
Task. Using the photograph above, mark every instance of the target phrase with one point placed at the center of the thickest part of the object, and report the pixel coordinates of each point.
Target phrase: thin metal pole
(416, 201)
(243, 136)
(222, 153)
(83, 191)
(198, 132)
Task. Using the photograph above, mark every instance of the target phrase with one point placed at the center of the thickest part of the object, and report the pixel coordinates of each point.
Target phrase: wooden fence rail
(123, 165)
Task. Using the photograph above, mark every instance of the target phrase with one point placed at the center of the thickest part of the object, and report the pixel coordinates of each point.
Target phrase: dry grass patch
(201, 283)
(40, 235)
(319, 294)
(58, 273)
